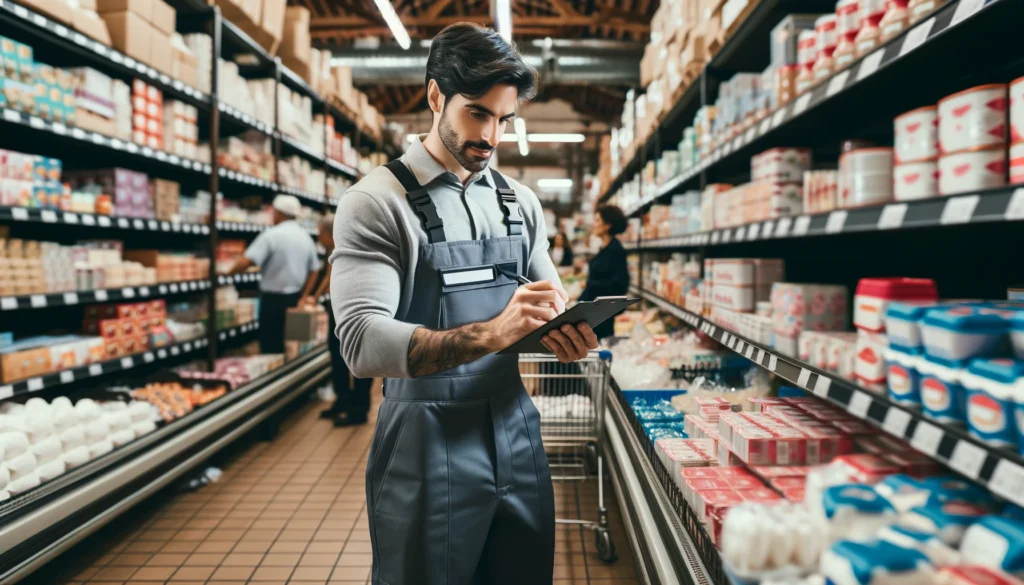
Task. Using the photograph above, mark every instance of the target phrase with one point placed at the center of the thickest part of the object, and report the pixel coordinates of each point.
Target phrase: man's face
(472, 128)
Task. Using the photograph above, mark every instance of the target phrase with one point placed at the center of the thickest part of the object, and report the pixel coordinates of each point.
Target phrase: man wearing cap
(288, 263)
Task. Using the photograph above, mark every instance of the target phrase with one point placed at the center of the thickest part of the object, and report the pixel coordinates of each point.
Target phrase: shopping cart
(571, 401)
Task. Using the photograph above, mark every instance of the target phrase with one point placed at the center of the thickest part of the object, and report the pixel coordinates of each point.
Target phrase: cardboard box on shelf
(253, 10)
(164, 18)
(54, 9)
(130, 34)
(236, 12)
(272, 24)
(90, 24)
(295, 40)
(143, 8)
(160, 55)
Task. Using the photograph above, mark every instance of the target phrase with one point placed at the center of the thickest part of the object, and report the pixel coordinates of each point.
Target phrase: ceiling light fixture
(394, 23)
(554, 183)
(501, 12)
(520, 125)
(571, 137)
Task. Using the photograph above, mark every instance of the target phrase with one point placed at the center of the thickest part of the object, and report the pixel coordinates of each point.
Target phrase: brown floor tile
(318, 559)
(215, 546)
(242, 560)
(282, 546)
(326, 547)
(167, 560)
(233, 573)
(350, 573)
(114, 574)
(253, 546)
(205, 560)
(281, 560)
(160, 574)
(312, 573)
(130, 560)
(355, 560)
(233, 535)
(272, 573)
(193, 573)
(254, 534)
(191, 534)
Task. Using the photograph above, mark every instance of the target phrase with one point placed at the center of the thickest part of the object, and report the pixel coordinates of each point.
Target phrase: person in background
(288, 263)
(561, 250)
(352, 402)
(608, 276)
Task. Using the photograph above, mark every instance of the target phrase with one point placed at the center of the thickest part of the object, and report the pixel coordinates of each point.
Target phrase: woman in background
(608, 276)
(561, 250)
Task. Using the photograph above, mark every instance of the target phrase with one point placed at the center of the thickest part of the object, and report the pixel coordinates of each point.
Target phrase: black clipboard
(592, 312)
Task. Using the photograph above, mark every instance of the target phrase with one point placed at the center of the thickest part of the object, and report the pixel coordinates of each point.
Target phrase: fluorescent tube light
(554, 183)
(520, 126)
(394, 23)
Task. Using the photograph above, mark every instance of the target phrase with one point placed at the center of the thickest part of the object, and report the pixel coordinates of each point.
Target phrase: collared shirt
(377, 239)
(286, 255)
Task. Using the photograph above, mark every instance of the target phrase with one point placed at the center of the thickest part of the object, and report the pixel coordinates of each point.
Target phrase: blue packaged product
(996, 542)
(903, 375)
(993, 387)
(942, 392)
(930, 545)
(903, 323)
(947, 520)
(875, 562)
(963, 332)
(1017, 333)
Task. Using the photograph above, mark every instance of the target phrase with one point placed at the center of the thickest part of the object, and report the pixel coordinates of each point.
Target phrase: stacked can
(871, 13)
(847, 27)
(1017, 131)
(973, 139)
(915, 175)
(865, 177)
(827, 39)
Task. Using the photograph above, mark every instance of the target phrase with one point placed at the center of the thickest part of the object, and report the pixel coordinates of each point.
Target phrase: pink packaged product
(785, 483)
(854, 427)
(870, 367)
(700, 473)
(771, 472)
(913, 463)
(793, 495)
(759, 404)
(698, 428)
(715, 503)
(782, 165)
(865, 467)
(874, 295)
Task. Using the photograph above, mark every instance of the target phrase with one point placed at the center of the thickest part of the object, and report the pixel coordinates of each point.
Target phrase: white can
(1017, 163)
(971, 170)
(915, 180)
(973, 118)
(916, 135)
(866, 176)
(867, 161)
(1017, 110)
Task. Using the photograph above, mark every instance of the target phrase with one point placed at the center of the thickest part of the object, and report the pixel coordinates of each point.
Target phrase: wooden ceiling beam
(412, 102)
(319, 24)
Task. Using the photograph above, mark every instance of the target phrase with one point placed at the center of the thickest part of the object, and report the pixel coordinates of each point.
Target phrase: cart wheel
(605, 546)
(590, 458)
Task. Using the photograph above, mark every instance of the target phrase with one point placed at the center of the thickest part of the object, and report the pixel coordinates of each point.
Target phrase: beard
(460, 149)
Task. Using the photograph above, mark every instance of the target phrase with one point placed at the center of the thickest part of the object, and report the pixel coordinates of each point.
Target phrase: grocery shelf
(242, 43)
(995, 205)
(297, 147)
(292, 80)
(112, 366)
(72, 43)
(239, 278)
(234, 226)
(239, 117)
(309, 196)
(86, 297)
(662, 546)
(890, 78)
(38, 526)
(1000, 471)
(342, 169)
(232, 332)
(94, 139)
(243, 179)
(67, 218)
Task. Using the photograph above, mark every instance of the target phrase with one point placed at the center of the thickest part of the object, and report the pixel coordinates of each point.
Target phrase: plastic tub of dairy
(903, 323)
(5, 476)
(995, 542)
(1017, 110)
(853, 512)
(874, 295)
(870, 367)
(930, 545)
(875, 563)
(735, 298)
(971, 170)
(1017, 333)
(963, 332)
(991, 386)
(904, 492)
(915, 180)
(21, 465)
(916, 135)
(942, 394)
(1017, 163)
(947, 520)
(973, 118)
(903, 377)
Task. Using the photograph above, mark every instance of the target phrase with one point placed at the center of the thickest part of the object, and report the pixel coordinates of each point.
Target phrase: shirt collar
(426, 169)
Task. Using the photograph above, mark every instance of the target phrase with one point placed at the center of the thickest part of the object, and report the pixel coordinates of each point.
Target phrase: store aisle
(290, 511)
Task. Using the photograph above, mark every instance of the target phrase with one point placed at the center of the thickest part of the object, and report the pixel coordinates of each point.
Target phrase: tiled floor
(291, 511)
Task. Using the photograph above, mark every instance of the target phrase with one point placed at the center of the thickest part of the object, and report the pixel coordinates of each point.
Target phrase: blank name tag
(469, 276)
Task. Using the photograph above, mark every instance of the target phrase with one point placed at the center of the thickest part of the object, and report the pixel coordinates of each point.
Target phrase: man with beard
(428, 253)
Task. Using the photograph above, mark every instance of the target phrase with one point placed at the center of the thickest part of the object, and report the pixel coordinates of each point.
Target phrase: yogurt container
(974, 118)
(970, 170)
(963, 332)
(1017, 163)
(949, 521)
(915, 180)
(853, 512)
(995, 542)
(992, 386)
(874, 563)
(1017, 110)
(1017, 334)
(953, 489)
(874, 295)
(903, 323)
(942, 394)
(902, 376)
(904, 492)
(939, 553)
(870, 368)
(916, 135)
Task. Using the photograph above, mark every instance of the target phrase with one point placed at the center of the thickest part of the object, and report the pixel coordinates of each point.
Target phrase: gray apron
(458, 489)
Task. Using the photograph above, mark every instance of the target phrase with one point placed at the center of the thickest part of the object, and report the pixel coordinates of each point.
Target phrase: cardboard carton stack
(166, 198)
(262, 20)
(141, 29)
(181, 128)
(296, 50)
(147, 115)
(78, 14)
(184, 63)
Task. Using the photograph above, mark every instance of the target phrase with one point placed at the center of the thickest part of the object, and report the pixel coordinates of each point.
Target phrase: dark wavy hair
(467, 59)
(613, 216)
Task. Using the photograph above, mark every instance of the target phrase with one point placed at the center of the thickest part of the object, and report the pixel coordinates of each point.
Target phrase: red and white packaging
(771, 472)
(916, 135)
(761, 494)
(870, 367)
(972, 170)
(1017, 110)
(794, 495)
(1017, 163)
(915, 180)
(780, 165)
(715, 503)
(786, 483)
(974, 575)
(732, 271)
(699, 473)
(913, 463)
(865, 468)
(873, 296)
(974, 118)
(842, 354)
(865, 177)
(759, 404)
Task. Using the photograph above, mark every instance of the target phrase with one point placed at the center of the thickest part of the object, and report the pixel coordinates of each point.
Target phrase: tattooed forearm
(432, 351)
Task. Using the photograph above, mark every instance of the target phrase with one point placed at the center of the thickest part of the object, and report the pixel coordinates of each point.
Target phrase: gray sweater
(377, 239)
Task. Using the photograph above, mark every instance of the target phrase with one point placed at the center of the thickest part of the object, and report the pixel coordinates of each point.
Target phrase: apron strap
(420, 200)
(509, 204)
